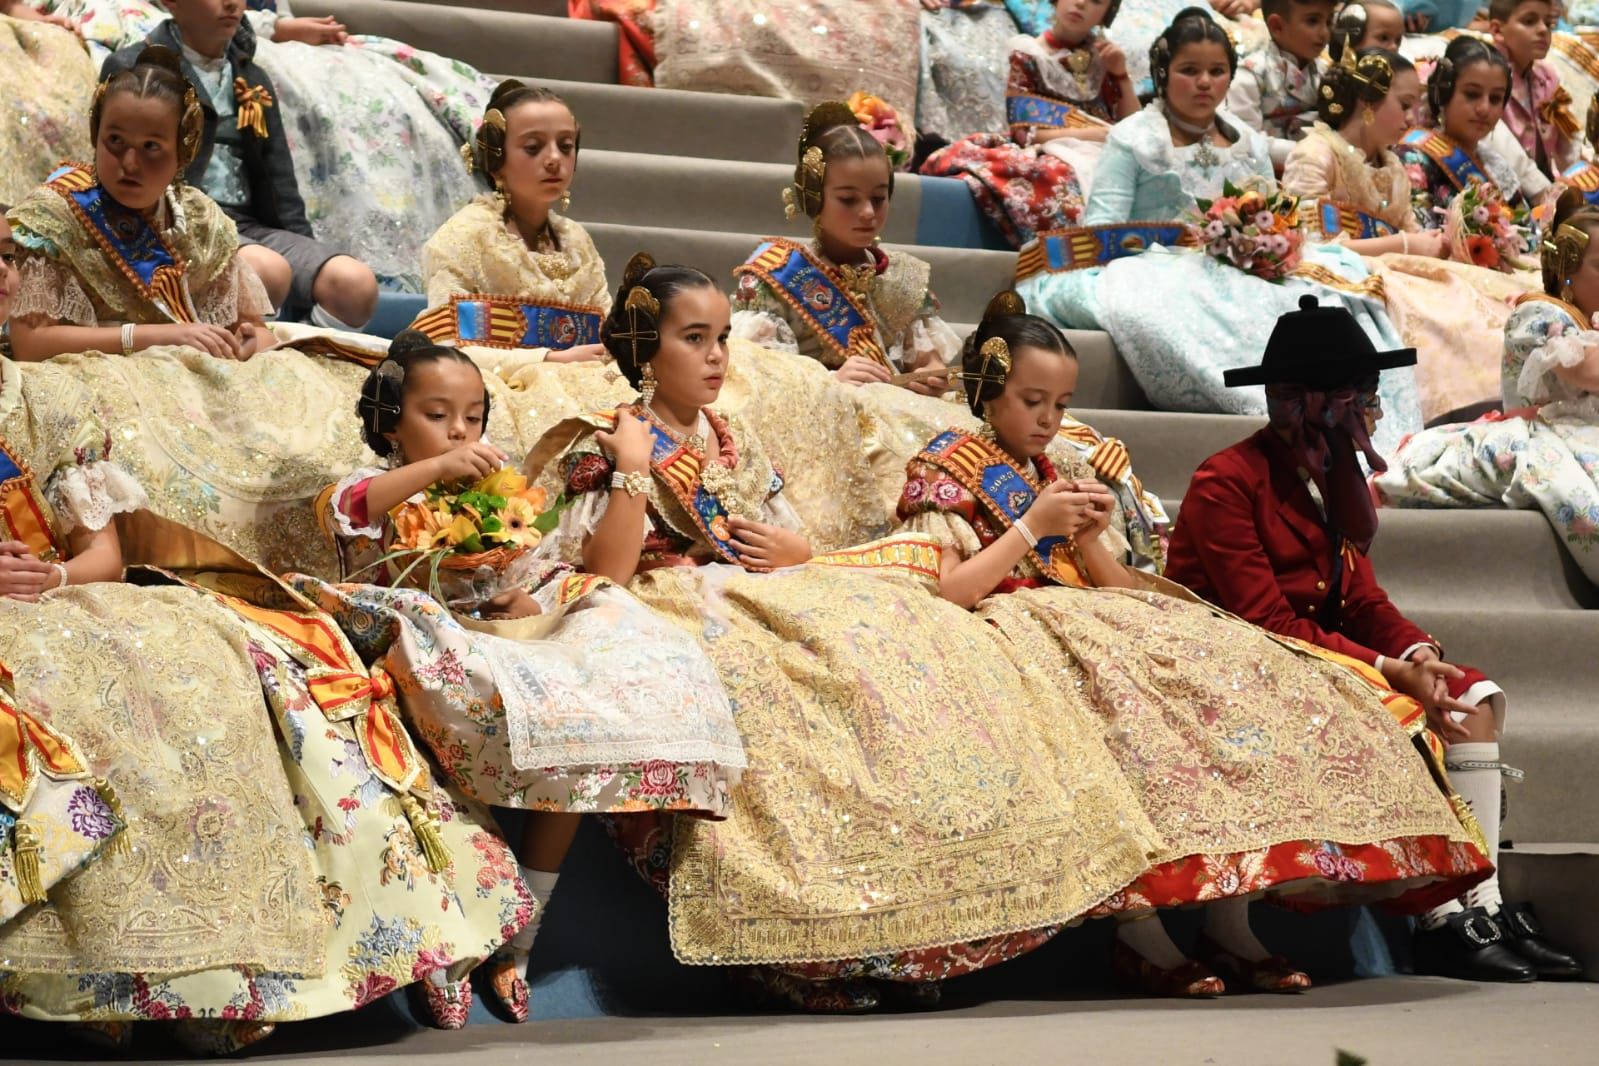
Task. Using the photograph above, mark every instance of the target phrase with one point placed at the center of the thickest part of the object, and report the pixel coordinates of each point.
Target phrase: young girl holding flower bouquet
(535, 687)
(1176, 312)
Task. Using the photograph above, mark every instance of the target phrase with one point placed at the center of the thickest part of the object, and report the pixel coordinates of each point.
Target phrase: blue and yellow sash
(1584, 176)
(1330, 218)
(129, 241)
(1032, 110)
(1005, 489)
(1063, 250)
(679, 470)
(24, 516)
(1452, 160)
(836, 316)
(509, 322)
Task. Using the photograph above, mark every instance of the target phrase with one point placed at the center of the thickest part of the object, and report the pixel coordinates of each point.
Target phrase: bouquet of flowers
(879, 118)
(1254, 229)
(475, 541)
(1482, 229)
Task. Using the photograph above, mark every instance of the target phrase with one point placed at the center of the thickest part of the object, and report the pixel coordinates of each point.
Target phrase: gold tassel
(25, 843)
(253, 100)
(426, 828)
(119, 843)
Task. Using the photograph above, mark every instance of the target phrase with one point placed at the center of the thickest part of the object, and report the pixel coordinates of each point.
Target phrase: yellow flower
(459, 531)
(506, 481)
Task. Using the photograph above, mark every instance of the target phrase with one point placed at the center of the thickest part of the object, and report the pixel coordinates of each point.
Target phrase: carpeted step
(1166, 447)
(552, 8)
(621, 118)
(964, 278)
(1558, 880)
(639, 189)
(571, 49)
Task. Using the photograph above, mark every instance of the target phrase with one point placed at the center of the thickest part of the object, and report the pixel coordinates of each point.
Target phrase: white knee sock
(1147, 936)
(1474, 771)
(1227, 923)
(542, 884)
(321, 316)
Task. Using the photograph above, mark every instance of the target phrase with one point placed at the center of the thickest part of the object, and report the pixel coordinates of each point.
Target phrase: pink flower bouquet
(1255, 230)
(1484, 230)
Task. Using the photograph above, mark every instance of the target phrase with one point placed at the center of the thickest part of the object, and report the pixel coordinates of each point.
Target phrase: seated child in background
(1538, 110)
(244, 164)
(1367, 24)
(1275, 87)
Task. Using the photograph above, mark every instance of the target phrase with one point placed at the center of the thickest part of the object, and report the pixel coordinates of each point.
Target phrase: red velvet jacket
(1250, 539)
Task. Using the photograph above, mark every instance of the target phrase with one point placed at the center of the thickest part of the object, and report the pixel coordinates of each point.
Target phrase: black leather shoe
(1525, 937)
(1470, 946)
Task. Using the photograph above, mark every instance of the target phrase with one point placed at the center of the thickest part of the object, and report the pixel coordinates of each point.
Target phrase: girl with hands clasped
(1036, 550)
(123, 256)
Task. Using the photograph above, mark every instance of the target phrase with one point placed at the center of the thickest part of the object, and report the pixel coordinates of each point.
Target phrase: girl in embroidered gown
(1357, 192)
(1542, 453)
(1066, 87)
(510, 252)
(1155, 164)
(235, 450)
(912, 799)
(375, 126)
(47, 82)
(1241, 809)
(609, 710)
(961, 90)
(276, 866)
(840, 299)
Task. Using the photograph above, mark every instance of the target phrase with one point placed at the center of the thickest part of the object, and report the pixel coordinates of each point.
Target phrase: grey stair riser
(622, 118)
(1561, 886)
(630, 189)
(571, 49)
(551, 8)
(971, 276)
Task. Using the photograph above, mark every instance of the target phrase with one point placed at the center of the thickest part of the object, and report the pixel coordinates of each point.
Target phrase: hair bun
(1571, 201)
(641, 263)
(823, 117)
(410, 340)
(504, 89)
(157, 55)
(1005, 302)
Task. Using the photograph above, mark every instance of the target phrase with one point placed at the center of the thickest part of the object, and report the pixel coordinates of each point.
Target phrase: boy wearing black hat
(1276, 529)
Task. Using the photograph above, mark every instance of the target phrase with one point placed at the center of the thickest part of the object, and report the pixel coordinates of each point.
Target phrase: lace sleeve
(946, 529)
(90, 493)
(929, 332)
(1309, 170)
(237, 293)
(588, 483)
(348, 505)
(49, 293)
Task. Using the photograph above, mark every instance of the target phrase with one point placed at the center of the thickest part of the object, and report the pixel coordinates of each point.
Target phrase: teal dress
(1180, 318)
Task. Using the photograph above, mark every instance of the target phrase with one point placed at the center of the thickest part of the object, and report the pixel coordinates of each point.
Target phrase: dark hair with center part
(1018, 331)
(1462, 52)
(383, 393)
(633, 334)
(1191, 26)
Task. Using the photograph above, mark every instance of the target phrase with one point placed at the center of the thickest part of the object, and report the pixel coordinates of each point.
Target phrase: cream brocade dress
(47, 83)
(269, 874)
(1452, 313)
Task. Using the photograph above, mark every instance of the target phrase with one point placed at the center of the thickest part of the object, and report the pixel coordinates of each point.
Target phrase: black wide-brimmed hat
(1319, 348)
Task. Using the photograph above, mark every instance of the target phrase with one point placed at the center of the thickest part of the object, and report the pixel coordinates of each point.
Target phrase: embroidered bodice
(1324, 165)
(474, 252)
(1142, 176)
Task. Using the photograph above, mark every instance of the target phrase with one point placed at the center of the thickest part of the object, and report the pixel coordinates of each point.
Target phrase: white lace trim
(90, 495)
(341, 518)
(1566, 350)
(51, 291)
(764, 329)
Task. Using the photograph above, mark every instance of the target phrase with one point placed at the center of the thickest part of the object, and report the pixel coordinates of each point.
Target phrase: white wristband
(1404, 241)
(1027, 534)
(63, 578)
(127, 338)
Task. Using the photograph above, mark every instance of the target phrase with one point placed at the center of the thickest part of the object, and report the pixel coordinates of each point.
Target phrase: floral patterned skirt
(1023, 191)
(270, 875)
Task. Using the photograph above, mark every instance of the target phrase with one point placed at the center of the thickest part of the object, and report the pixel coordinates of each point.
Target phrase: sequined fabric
(962, 88)
(474, 252)
(47, 81)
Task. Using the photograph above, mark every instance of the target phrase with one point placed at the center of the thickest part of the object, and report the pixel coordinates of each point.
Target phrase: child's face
(1197, 82)
(1027, 415)
(1076, 19)
(441, 410)
(8, 269)
(1477, 104)
(691, 363)
(1385, 28)
(1391, 118)
(1585, 280)
(1525, 36)
(854, 201)
(540, 154)
(1303, 32)
(207, 25)
(136, 154)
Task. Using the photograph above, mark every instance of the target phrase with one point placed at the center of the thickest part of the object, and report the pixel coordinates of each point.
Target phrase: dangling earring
(986, 430)
(1367, 114)
(816, 227)
(566, 201)
(499, 192)
(646, 384)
